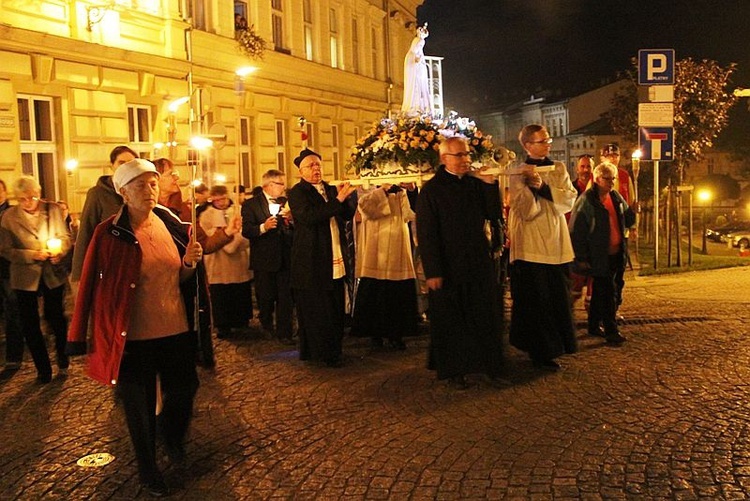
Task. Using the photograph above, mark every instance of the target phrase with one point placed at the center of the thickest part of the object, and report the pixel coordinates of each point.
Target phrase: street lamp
(635, 159)
(172, 108)
(239, 89)
(704, 196)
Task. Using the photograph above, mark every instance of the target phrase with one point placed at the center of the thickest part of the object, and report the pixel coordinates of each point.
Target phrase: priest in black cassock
(464, 302)
(318, 259)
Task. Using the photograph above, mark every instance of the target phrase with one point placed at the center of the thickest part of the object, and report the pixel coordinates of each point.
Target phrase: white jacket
(537, 228)
(383, 245)
(228, 265)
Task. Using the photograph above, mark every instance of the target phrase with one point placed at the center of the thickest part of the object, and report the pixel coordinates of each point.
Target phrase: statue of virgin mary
(417, 95)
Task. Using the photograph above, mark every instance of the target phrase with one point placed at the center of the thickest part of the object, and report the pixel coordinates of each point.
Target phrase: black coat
(312, 252)
(465, 312)
(270, 251)
(589, 230)
(451, 215)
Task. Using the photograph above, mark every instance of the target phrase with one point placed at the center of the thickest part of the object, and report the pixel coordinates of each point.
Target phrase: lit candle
(274, 208)
(54, 246)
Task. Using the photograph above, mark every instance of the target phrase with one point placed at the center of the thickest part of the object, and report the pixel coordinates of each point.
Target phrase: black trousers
(604, 298)
(28, 314)
(13, 333)
(172, 358)
(275, 295)
(321, 322)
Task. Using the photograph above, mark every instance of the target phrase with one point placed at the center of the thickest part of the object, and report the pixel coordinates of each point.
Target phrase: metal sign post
(656, 71)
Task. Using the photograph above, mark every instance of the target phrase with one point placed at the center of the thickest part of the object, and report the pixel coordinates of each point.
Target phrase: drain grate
(95, 460)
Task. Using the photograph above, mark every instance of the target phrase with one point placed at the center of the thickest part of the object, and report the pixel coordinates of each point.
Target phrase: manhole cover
(95, 460)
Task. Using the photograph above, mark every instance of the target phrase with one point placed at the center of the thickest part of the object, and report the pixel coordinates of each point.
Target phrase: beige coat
(19, 241)
(383, 246)
(228, 265)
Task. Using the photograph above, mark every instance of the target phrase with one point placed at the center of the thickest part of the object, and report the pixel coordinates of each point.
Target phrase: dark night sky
(498, 51)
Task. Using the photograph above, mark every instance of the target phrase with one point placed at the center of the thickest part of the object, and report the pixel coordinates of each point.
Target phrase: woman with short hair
(35, 239)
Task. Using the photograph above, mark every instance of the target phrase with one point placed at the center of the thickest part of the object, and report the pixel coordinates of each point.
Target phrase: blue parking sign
(656, 67)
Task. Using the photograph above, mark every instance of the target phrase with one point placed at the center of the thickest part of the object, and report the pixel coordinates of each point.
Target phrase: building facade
(575, 124)
(80, 77)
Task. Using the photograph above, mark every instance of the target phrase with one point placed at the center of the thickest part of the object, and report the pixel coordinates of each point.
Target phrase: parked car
(719, 233)
(739, 239)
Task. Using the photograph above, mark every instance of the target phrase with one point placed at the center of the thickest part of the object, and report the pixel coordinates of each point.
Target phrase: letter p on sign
(656, 67)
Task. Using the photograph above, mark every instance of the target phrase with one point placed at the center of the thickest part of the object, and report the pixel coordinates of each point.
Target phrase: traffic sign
(656, 143)
(655, 114)
(656, 67)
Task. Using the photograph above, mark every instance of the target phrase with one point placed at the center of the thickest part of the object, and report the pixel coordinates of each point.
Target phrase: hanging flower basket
(250, 43)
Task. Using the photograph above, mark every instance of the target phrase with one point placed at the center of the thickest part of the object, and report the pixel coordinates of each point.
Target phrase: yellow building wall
(136, 56)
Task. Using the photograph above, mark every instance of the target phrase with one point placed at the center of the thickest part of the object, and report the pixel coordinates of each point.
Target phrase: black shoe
(620, 319)
(458, 382)
(615, 339)
(43, 378)
(157, 488)
(224, 333)
(549, 365)
(598, 332)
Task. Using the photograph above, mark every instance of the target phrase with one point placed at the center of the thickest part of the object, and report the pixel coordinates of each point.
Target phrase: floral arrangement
(412, 142)
(250, 43)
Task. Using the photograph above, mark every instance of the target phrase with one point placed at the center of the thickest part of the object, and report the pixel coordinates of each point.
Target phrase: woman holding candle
(34, 238)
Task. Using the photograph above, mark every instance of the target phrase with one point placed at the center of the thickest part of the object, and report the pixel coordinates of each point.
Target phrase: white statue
(417, 95)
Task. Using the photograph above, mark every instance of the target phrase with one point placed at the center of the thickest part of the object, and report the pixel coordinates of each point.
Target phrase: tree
(701, 109)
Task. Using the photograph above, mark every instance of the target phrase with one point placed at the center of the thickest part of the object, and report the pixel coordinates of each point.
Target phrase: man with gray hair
(464, 301)
(597, 226)
(267, 223)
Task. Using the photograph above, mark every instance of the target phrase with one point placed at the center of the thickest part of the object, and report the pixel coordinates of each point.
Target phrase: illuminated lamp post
(704, 196)
(172, 108)
(636, 164)
(70, 167)
(239, 89)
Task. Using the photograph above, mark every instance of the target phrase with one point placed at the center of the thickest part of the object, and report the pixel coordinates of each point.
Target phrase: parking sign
(656, 67)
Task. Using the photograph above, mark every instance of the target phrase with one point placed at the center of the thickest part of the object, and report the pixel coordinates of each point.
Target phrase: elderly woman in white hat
(137, 288)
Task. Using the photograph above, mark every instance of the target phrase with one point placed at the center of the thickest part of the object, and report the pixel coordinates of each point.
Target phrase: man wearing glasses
(319, 254)
(598, 224)
(267, 223)
(540, 252)
(623, 185)
(464, 302)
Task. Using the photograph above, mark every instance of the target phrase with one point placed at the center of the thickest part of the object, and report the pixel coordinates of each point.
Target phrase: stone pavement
(666, 416)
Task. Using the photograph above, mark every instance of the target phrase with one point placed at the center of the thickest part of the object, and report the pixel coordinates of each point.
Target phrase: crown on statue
(423, 29)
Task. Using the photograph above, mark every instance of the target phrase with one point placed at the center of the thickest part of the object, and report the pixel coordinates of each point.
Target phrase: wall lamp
(95, 14)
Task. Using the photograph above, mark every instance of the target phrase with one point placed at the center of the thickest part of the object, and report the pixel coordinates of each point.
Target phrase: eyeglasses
(462, 154)
(548, 140)
(607, 178)
(277, 183)
(28, 199)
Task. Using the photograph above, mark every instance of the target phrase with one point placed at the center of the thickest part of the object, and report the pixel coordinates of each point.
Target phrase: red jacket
(110, 274)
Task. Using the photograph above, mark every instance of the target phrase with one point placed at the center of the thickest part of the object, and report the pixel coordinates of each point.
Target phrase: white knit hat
(131, 170)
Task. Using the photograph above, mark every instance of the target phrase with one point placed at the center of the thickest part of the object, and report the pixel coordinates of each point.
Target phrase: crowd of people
(153, 275)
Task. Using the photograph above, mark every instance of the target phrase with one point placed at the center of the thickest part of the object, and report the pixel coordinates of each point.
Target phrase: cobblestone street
(665, 416)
